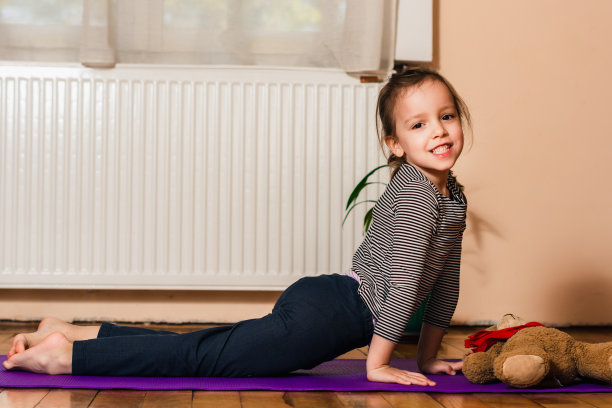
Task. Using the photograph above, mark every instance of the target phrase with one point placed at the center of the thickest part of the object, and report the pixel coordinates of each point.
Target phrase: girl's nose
(438, 129)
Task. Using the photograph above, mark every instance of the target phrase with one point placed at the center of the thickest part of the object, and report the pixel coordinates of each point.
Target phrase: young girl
(412, 250)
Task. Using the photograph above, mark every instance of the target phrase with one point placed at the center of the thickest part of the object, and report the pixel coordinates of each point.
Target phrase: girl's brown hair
(398, 83)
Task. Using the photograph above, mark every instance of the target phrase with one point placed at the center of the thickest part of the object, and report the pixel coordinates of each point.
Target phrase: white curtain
(355, 35)
(40, 30)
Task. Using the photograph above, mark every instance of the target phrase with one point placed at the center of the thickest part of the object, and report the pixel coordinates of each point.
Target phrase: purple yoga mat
(336, 375)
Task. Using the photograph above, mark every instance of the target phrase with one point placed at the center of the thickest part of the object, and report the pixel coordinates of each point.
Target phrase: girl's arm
(379, 370)
(440, 309)
(429, 343)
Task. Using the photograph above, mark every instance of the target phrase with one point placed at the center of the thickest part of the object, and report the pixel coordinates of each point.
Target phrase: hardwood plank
(67, 399)
(405, 351)
(460, 401)
(263, 399)
(506, 400)
(312, 399)
(164, 399)
(8, 330)
(447, 351)
(410, 400)
(557, 400)
(464, 331)
(216, 399)
(356, 354)
(363, 399)
(458, 344)
(5, 342)
(589, 334)
(115, 399)
(21, 397)
(598, 400)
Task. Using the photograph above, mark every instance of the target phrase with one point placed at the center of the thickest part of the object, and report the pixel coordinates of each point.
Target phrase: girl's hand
(388, 374)
(435, 366)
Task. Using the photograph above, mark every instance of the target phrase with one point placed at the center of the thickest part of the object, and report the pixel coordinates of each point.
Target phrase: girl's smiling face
(428, 132)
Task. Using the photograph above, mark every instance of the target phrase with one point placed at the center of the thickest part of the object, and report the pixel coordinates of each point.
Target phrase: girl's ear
(394, 146)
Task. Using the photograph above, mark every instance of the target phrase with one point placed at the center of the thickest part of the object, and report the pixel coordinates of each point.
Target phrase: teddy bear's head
(507, 320)
(510, 320)
(525, 354)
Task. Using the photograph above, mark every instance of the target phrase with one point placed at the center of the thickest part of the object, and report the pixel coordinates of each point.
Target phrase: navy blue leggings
(315, 320)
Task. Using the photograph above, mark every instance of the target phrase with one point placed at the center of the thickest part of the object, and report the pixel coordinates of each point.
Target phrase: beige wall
(536, 74)
(539, 238)
(135, 306)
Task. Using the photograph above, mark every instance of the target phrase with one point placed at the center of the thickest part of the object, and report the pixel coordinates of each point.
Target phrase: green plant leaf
(355, 205)
(361, 185)
(367, 220)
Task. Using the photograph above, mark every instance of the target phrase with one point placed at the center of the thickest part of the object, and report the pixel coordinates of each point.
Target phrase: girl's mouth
(441, 150)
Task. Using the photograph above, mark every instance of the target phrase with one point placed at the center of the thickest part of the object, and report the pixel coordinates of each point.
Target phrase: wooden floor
(452, 347)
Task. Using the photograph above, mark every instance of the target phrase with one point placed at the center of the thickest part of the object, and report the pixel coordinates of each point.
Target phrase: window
(356, 35)
(40, 30)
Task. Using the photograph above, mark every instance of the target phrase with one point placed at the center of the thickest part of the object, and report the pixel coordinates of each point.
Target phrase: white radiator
(187, 178)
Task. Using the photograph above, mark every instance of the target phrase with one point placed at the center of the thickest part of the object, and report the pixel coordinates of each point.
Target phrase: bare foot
(24, 341)
(53, 355)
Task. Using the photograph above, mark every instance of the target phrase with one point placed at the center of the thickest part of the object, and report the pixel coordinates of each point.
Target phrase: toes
(16, 362)
(52, 356)
(18, 345)
(8, 364)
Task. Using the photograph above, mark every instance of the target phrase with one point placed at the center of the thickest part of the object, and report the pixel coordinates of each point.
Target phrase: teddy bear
(525, 354)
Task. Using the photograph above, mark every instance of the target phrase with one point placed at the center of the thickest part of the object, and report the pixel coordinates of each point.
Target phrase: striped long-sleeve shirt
(412, 249)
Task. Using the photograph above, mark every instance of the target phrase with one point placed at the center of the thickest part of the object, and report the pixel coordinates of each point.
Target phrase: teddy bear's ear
(510, 320)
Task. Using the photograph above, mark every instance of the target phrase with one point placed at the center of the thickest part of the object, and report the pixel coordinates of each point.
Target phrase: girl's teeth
(441, 149)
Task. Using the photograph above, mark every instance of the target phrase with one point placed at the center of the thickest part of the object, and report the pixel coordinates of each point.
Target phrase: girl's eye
(448, 116)
(417, 125)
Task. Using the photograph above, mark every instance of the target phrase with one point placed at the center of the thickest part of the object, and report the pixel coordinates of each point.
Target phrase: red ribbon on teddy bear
(483, 339)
